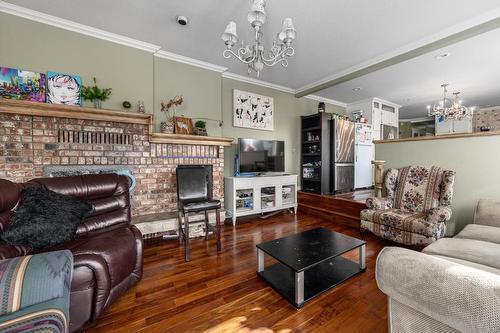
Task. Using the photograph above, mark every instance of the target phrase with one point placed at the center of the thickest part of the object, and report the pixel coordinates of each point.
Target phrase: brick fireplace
(32, 142)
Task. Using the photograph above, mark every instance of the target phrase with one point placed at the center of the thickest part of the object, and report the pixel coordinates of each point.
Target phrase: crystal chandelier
(254, 55)
(448, 108)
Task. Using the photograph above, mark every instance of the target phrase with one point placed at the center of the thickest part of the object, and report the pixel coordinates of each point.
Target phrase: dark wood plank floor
(223, 293)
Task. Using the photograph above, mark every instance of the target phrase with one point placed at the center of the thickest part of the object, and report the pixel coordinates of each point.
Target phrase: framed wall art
(64, 89)
(23, 85)
(253, 111)
(183, 125)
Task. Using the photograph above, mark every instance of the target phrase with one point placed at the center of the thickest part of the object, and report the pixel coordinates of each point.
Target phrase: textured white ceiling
(473, 69)
(333, 35)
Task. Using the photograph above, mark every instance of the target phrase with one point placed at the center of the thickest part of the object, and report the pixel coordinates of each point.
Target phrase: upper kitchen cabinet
(453, 126)
(381, 114)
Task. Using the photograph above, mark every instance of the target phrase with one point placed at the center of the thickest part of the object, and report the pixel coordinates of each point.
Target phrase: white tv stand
(259, 194)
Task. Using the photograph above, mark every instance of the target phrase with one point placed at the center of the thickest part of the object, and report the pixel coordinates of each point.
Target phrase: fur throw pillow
(44, 218)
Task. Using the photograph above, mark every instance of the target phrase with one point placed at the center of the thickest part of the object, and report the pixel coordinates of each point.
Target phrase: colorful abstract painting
(253, 111)
(64, 89)
(23, 85)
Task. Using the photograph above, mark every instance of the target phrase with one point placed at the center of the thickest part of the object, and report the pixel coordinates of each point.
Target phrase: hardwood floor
(223, 293)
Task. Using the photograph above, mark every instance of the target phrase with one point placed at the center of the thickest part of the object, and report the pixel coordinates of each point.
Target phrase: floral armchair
(416, 208)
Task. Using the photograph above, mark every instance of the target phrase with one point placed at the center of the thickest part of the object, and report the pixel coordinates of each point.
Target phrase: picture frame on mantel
(253, 111)
(183, 125)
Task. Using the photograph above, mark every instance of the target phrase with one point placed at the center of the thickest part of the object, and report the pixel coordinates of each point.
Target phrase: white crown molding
(61, 23)
(468, 24)
(189, 61)
(326, 100)
(246, 79)
(75, 27)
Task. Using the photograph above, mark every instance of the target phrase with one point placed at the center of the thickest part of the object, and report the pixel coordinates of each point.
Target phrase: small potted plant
(168, 126)
(201, 127)
(95, 94)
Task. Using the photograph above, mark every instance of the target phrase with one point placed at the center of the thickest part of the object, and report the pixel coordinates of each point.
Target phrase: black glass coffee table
(309, 263)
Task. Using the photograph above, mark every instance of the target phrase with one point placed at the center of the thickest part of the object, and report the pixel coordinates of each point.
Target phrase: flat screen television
(258, 156)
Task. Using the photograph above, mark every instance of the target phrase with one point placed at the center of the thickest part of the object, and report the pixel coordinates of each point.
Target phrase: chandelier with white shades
(448, 108)
(254, 55)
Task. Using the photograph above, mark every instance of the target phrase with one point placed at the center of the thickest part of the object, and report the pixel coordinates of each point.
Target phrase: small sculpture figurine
(140, 107)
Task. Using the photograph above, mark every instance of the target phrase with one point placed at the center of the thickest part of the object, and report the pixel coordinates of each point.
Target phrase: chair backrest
(418, 189)
(194, 182)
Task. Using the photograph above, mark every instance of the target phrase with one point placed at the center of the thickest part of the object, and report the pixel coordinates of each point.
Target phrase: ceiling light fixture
(450, 109)
(254, 55)
(356, 89)
(443, 56)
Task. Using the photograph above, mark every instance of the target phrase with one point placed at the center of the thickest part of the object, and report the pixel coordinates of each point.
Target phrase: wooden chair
(195, 195)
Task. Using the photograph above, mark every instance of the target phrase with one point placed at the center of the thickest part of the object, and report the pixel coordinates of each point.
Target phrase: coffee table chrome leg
(260, 260)
(362, 257)
(299, 288)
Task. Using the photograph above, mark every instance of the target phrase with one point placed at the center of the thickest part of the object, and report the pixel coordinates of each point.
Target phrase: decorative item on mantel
(201, 127)
(321, 107)
(64, 89)
(183, 125)
(95, 94)
(168, 125)
(126, 105)
(20, 84)
(140, 107)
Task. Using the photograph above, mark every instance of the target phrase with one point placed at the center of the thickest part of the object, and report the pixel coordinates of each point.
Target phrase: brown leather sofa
(107, 250)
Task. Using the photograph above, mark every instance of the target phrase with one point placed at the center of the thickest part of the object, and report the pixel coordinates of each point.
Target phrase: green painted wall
(475, 160)
(138, 75)
(38, 47)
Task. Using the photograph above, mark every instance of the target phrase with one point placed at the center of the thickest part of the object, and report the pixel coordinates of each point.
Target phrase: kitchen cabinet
(378, 112)
(453, 126)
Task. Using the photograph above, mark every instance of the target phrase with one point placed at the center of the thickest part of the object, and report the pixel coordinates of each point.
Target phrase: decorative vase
(140, 107)
(97, 103)
(167, 127)
(201, 131)
(321, 107)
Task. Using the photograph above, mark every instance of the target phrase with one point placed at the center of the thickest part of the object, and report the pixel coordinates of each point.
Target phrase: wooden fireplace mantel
(85, 113)
(190, 139)
(74, 112)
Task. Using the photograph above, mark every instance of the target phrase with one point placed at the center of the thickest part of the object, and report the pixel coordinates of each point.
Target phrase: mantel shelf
(190, 139)
(74, 112)
(84, 113)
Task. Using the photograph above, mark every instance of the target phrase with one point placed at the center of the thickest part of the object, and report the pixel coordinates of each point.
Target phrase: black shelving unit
(315, 153)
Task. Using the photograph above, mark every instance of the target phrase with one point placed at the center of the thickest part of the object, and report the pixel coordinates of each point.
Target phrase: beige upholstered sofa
(453, 286)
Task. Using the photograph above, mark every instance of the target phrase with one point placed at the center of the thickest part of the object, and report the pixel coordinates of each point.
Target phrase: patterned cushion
(404, 237)
(390, 182)
(418, 188)
(447, 187)
(414, 222)
(379, 203)
(43, 317)
(34, 292)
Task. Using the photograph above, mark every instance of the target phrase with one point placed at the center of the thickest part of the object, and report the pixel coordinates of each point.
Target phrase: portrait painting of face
(64, 89)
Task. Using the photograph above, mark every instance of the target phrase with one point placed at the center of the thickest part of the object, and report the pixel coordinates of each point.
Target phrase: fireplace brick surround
(29, 143)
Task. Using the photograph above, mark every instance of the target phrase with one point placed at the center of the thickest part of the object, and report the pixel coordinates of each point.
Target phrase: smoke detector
(182, 20)
(443, 56)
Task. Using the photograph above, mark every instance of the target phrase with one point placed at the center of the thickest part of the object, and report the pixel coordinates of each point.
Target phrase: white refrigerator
(364, 152)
